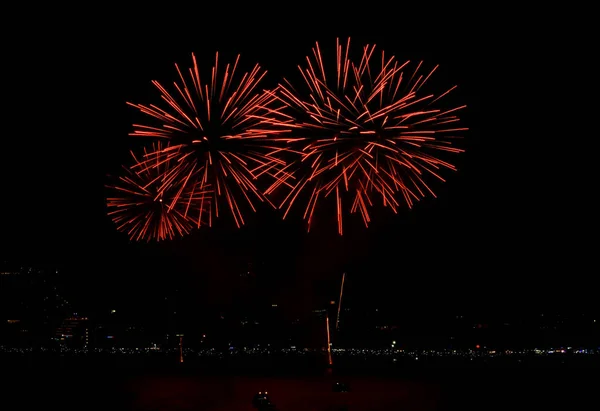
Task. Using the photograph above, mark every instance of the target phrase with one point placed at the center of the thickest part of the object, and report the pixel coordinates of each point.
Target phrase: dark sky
(505, 231)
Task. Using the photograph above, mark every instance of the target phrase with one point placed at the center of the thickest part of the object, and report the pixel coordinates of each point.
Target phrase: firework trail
(221, 133)
(367, 130)
(139, 201)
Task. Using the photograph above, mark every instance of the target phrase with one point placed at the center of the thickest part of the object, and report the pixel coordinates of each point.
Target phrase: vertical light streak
(337, 321)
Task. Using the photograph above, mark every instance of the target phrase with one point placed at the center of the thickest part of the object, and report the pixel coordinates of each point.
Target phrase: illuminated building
(74, 332)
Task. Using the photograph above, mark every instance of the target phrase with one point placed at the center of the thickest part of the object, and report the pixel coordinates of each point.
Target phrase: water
(74, 384)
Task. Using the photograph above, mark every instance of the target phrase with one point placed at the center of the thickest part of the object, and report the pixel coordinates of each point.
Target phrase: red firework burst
(141, 200)
(220, 132)
(369, 129)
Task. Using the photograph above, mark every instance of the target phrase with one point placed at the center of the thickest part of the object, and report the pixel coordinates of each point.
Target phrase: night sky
(506, 230)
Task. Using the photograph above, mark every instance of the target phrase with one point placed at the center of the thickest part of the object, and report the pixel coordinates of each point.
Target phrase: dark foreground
(179, 388)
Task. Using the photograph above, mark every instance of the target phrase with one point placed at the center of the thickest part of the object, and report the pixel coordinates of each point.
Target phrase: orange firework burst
(370, 129)
(140, 203)
(220, 132)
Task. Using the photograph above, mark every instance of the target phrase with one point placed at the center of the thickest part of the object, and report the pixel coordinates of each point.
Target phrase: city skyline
(35, 311)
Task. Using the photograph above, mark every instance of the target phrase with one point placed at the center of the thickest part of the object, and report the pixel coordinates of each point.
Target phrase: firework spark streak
(221, 132)
(139, 203)
(368, 128)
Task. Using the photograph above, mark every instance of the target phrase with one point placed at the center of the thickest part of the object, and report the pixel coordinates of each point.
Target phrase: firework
(142, 201)
(368, 131)
(221, 134)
